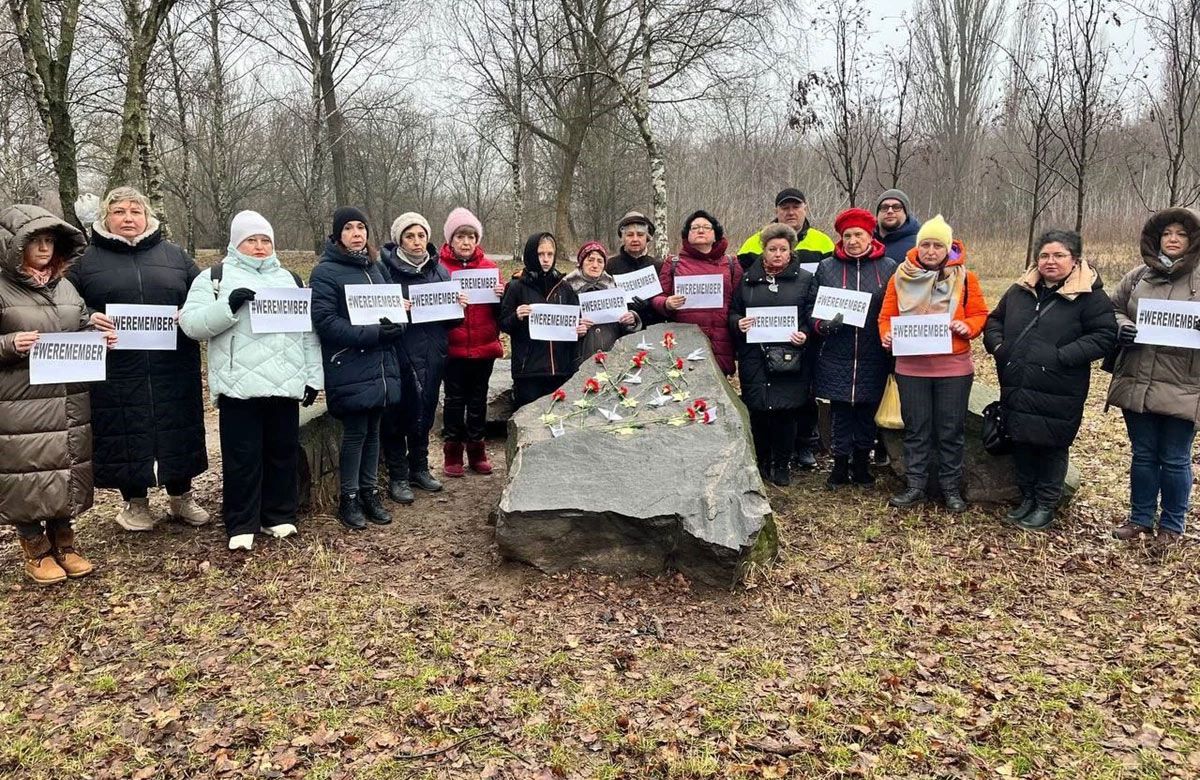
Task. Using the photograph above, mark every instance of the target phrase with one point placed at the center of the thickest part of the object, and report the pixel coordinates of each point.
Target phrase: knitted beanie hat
(345, 215)
(246, 224)
(854, 218)
(407, 220)
(938, 230)
(462, 218)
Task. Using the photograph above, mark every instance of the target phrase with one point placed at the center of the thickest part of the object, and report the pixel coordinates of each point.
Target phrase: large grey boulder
(987, 478)
(641, 495)
(320, 446)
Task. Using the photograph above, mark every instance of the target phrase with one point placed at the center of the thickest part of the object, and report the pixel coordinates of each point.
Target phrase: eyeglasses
(1057, 256)
(704, 228)
(891, 207)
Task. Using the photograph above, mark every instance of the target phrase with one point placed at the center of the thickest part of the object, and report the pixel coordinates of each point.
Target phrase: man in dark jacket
(411, 260)
(896, 225)
(635, 231)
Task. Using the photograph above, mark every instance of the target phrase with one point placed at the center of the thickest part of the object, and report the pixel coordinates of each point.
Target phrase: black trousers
(530, 388)
(464, 415)
(1041, 471)
(807, 435)
(358, 461)
(774, 434)
(260, 452)
(176, 487)
(406, 430)
(853, 427)
(935, 417)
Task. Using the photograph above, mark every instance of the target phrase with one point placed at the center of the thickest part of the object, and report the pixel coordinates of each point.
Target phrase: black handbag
(996, 440)
(782, 358)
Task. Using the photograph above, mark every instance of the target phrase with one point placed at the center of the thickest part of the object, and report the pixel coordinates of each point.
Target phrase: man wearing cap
(635, 231)
(896, 226)
(812, 246)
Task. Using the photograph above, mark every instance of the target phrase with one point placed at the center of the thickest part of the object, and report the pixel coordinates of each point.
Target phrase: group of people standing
(143, 427)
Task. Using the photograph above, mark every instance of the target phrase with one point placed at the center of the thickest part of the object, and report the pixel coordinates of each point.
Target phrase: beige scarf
(920, 290)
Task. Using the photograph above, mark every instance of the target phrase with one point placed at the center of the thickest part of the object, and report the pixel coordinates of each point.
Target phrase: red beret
(854, 218)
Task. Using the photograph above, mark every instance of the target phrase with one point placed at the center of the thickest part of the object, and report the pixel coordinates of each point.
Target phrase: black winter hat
(347, 214)
(718, 229)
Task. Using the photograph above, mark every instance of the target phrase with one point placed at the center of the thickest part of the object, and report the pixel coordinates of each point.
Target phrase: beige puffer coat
(45, 431)
(1162, 380)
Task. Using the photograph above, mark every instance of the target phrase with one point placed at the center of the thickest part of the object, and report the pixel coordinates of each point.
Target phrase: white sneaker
(136, 515)
(281, 531)
(186, 509)
(241, 542)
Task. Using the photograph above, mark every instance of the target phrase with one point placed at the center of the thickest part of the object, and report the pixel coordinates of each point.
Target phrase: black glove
(830, 327)
(310, 396)
(1127, 333)
(238, 298)
(637, 304)
(389, 331)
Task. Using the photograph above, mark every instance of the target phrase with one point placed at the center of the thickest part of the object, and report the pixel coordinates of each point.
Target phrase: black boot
(423, 479)
(1027, 505)
(350, 512)
(910, 497)
(840, 474)
(780, 474)
(1039, 519)
(861, 468)
(373, 507)
(954, 501)
(400, 492)
(805, 460)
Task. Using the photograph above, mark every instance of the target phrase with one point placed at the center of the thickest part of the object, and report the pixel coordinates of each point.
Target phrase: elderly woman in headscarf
(935, 389)
(538, 367)
(45, 429)
(590, 276)
(148, 416)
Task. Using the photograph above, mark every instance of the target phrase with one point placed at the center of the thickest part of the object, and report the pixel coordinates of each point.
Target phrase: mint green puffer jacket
(242, 364)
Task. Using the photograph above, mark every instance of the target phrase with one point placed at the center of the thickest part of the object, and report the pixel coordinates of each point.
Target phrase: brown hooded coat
(1146, 378)
(45, 430)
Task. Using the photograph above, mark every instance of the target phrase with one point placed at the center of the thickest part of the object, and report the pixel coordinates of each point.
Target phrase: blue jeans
(1162, 464)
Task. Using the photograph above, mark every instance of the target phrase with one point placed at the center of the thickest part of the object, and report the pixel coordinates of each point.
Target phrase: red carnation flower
(591, 386)
(669, 340)
(707, 417)
(600, 357)
(559, 395)
(623, 390)
(700, 404)
(666, 389)
(679, 363)
(691, 413)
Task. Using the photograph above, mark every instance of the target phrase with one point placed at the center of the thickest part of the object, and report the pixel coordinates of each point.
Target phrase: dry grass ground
(882, 645)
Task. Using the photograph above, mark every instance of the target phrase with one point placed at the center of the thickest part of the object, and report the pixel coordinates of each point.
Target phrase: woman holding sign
(258, 381)
(774, 374)
(590, 277)
(362, 376)
(1158, 386)
(852, 366)
(934, 383)
(148, 416)
(702, 255)
(46, 443)
(538, 367)
(1045, 333)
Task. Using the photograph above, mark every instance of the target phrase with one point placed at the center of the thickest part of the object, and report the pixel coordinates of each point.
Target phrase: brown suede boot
(1130, 531)
(453, 451)
(40, 565)
(477, 458)
(74, 564)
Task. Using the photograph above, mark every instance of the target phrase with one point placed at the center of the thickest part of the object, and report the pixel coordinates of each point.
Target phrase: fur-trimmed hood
(1152, 241)
(1083, 279)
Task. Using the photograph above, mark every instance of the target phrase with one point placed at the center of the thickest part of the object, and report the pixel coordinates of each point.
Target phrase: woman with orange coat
(935, 389)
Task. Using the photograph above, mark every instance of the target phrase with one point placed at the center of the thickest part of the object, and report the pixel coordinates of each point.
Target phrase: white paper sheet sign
(369, 303)
(435, 302)
(921, 334)
(851, 304)
(810, 267)
(67, 357)
(1168, 323)
(642, 284)
(603, 306)
(772, 324)
(479, 284)
(703, 291)
(551, 322)
(144, 327)
(281, 310)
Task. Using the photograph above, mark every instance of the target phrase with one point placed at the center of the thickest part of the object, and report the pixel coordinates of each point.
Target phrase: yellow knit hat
(938, 230)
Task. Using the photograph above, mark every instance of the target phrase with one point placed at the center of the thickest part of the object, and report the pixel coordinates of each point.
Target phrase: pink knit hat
(588, 248)
(461, 218)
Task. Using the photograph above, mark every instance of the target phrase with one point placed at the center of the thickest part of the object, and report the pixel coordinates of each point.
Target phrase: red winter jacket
(714, 322)
(477, 337)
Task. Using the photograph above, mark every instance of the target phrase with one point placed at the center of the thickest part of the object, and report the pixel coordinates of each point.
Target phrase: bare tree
(898, 145)
(47, 40)
(1175, 26)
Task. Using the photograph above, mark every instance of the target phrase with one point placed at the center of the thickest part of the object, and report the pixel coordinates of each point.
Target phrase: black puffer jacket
(361, 374)
(532, 285)
(1044, 379)
(151, 408)
(423, 350)
(762, 391)
(622, 263)
(852, 365)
